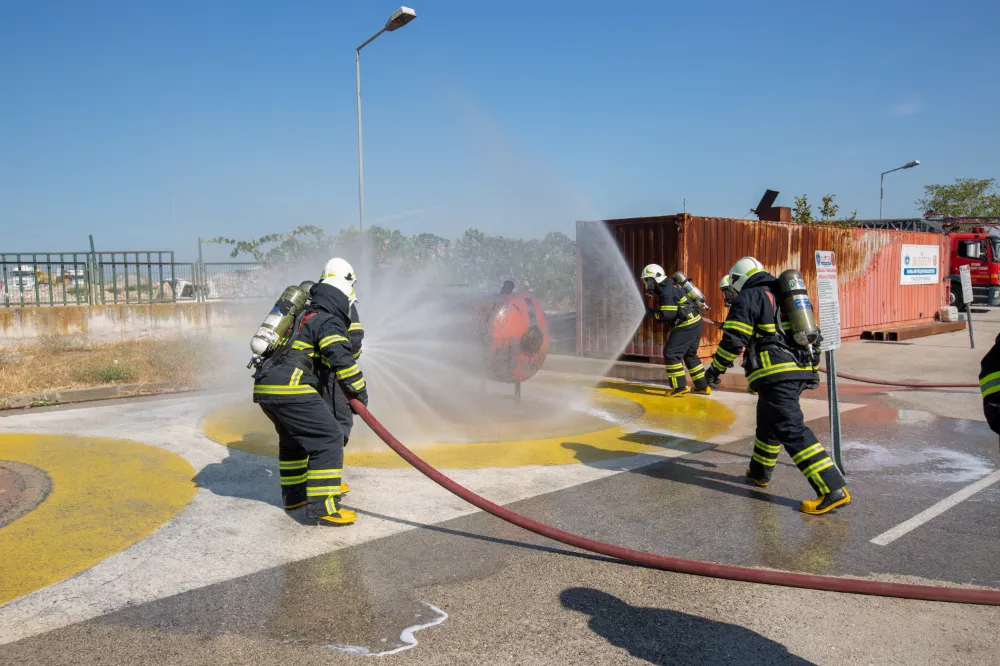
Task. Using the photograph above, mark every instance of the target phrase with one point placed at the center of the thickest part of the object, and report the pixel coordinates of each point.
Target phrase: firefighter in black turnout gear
(684, 320)
(779, 370)
(287, 387)
(989, 385)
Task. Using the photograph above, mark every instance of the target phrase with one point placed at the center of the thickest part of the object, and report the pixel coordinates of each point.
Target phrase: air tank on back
(277, 322)
(795, 304)
(692, 291)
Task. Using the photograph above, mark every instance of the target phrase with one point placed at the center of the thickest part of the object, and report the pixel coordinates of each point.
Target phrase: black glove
(712, 377)
(814, 382)
(362, 396)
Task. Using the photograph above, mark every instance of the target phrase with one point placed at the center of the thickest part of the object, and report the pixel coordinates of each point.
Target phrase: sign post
(829, 326)
(967, 297)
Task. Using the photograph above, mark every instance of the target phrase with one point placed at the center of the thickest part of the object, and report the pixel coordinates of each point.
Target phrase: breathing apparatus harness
(767, 341)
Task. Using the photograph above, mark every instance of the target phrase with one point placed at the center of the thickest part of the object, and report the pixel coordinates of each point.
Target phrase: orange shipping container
(868, 263)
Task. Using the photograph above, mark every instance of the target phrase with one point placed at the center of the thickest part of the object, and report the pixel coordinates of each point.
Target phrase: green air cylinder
(292, 300)
(795, 304)
(693, 292)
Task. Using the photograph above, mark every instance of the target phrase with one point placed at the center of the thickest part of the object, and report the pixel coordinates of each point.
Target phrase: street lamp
(881, 187)
(397, 20)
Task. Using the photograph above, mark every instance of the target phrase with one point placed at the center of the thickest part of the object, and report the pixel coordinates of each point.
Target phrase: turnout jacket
(318, 351)
(771, 354)
(675, 308)
(989, 384)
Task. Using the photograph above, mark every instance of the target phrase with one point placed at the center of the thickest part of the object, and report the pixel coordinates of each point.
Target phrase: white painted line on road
(886, 538)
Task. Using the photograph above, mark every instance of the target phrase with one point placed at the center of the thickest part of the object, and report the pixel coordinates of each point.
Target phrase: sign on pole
(967, 296)
(829, 299)
(919, 264)
(829, 326)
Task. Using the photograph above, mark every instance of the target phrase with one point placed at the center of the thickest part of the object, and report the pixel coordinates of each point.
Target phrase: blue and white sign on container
(920, 264)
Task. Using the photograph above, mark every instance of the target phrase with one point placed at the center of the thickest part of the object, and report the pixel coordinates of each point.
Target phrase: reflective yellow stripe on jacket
(778, 368)
(282, 389)
(990, 384)
(738, 326)
(693, 320)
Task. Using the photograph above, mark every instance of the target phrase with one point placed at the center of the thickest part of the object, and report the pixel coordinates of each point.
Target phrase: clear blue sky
(517, 117)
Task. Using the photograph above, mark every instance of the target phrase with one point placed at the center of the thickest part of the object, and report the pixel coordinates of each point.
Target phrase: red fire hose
(880, 382)
(886, 382)
(695, 567)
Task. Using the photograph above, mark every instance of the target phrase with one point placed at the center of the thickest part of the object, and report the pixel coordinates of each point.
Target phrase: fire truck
(973, 242)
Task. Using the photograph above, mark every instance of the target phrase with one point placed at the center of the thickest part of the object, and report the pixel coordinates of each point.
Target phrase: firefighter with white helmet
(288, 385)
(779, 369)
(682, 315)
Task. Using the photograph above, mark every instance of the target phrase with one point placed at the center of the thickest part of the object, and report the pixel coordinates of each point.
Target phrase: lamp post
(397, 20)
(881, 187)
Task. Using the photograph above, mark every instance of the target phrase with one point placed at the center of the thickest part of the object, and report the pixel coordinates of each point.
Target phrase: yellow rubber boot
(760, 483)
(342, 517)
(703, 391)
(336, 513)
(678, 392)
(826, 503)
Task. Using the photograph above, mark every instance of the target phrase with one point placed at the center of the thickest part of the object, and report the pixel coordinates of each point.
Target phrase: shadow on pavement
(244, 476)
(660, 636)
(691, 472)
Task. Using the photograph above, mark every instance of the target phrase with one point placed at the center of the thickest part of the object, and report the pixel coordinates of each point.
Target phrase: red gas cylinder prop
(515, 334)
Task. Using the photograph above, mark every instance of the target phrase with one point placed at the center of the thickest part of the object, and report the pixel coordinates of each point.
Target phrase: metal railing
(44, 278)
(241, 280)
(129, 277)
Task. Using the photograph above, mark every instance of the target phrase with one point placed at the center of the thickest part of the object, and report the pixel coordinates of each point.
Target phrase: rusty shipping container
(868, 263)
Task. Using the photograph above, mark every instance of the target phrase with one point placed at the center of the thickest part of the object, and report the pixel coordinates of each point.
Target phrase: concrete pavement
(229, 578)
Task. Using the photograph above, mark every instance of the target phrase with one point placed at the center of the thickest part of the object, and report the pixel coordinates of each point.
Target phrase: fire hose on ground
(694, 567)
(882, 382)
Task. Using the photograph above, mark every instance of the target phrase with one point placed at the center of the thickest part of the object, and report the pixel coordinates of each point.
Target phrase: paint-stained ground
(231, 579)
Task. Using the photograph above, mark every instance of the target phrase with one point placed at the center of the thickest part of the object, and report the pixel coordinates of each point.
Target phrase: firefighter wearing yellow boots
(779, 368)
(287, 387)
(681, 314)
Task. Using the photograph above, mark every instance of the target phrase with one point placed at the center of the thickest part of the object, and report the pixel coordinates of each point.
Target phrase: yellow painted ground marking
(106, 495)
(691, 418)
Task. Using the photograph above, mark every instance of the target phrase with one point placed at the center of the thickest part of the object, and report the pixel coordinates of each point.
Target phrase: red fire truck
(973, 243)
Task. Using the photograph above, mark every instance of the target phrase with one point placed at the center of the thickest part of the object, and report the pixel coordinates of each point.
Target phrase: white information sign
(920, 264)
(829, 299)
(966, 276)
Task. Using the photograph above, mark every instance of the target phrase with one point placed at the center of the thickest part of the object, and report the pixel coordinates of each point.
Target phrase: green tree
(967, 197)
(304, 242)
(802, 212)
(829, 210)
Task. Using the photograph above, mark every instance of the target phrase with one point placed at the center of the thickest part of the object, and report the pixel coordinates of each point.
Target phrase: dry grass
(63, 362)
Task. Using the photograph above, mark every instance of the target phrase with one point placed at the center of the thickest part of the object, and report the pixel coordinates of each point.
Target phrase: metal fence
(143, 276)
(44, 278)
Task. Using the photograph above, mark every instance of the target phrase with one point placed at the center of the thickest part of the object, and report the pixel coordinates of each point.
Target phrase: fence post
(200, 273)
(91, 282)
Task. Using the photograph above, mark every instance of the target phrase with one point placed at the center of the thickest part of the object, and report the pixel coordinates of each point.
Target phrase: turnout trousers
(780, 423)
(310, 454)
(682, 350)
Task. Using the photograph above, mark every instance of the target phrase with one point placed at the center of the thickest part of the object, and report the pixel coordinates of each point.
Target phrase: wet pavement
(472, 589)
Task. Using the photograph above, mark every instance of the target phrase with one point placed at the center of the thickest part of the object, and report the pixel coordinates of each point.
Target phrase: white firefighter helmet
(653, 272)
(340, 274)
(742, 270)
(726, 285)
